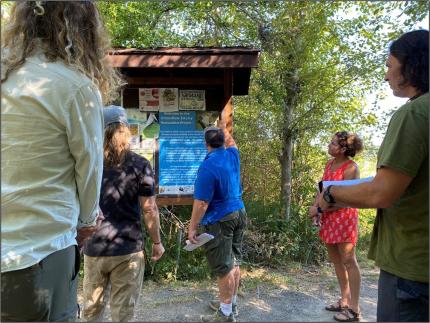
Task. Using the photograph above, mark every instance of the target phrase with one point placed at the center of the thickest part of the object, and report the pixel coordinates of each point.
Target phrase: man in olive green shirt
(401, 232)
(400, 190)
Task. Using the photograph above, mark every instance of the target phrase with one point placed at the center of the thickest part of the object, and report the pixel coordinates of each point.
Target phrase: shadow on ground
(301, 302)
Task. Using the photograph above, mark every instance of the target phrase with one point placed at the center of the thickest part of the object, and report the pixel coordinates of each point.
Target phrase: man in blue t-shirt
(219, 209)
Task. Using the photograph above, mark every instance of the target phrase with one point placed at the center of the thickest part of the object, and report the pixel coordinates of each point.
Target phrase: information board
(181, 151)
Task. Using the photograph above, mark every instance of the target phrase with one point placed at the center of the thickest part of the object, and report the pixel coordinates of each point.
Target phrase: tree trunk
(286, 157)
(292, 88)
(286, 162)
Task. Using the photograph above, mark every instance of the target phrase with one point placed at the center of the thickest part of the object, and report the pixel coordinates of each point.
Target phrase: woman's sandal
(348, 315)
(336, 307)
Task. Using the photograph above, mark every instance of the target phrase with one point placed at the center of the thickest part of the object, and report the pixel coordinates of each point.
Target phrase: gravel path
(297, 296)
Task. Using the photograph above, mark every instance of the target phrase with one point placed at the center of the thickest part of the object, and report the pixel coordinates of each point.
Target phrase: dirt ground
(294, 295)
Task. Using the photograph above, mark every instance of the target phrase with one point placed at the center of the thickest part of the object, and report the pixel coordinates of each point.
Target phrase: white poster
(192, 100)
(149, 99)
(136, 116)
(168, 99)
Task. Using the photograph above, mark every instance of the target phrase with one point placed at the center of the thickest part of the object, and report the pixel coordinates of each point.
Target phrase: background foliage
(319, 61)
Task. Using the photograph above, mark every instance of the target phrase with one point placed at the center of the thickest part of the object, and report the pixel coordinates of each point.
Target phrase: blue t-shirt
(218, 182)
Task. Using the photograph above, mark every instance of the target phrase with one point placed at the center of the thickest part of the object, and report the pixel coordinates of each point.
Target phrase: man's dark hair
(214, 137)
(412, 51)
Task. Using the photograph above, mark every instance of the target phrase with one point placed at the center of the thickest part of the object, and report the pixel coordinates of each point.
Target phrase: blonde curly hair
(69, 31)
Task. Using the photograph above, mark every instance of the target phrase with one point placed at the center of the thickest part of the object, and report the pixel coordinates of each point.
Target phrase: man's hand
(99, 219)
(86, 232)
(322, 203)
(192, 234)
(326, 207)
(313, 211)
(157, 251)
(221, 124)
(315, 214)
(199, 209)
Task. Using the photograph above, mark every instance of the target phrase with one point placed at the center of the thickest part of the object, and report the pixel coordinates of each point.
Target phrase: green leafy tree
(317, 66)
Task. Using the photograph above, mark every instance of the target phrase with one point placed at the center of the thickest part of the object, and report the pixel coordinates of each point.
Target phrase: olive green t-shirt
(400, 238)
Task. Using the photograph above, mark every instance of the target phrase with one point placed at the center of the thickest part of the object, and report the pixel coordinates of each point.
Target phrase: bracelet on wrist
(327, 195)
(159, 242)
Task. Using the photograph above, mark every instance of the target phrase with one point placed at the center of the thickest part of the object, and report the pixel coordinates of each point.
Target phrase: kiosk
(171, 95)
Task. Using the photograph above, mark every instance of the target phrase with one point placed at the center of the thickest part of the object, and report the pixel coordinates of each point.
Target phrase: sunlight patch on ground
(261, 305)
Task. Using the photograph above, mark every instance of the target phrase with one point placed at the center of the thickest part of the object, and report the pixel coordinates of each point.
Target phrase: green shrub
(272, 241)
(176, 263)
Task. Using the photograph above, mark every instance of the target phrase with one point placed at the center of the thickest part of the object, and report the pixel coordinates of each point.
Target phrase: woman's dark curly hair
(412, 51)
(350, 141)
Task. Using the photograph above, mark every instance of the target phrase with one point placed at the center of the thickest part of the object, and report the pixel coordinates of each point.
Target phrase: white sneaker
(215, 305)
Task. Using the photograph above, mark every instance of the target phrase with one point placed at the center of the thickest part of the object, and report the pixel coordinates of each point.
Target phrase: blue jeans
(402, 300)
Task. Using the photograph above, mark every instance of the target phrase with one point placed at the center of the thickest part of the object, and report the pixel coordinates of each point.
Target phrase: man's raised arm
(228, 138)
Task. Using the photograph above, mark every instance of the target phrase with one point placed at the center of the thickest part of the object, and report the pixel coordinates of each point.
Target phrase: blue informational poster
(181, 151)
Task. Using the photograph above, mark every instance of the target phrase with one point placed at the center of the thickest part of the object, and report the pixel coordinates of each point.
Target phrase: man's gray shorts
(225, 250)
(45, 291)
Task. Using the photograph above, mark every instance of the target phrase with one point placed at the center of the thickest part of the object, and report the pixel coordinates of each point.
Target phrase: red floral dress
(340, 225)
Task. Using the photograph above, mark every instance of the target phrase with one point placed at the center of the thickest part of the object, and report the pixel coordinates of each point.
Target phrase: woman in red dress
(339, 226)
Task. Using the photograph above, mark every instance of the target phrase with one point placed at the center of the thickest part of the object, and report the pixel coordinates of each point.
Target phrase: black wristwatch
(328, 197)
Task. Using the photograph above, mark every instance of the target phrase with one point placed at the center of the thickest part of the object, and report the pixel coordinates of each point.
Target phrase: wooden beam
(174, 81)
(178, 200)
(194, 59)
(227, 111)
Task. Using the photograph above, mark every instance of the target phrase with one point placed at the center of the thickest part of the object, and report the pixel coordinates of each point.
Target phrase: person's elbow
(150, 209)
(382, 201)
(384, 198)
(388, 187)
(201, 204)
